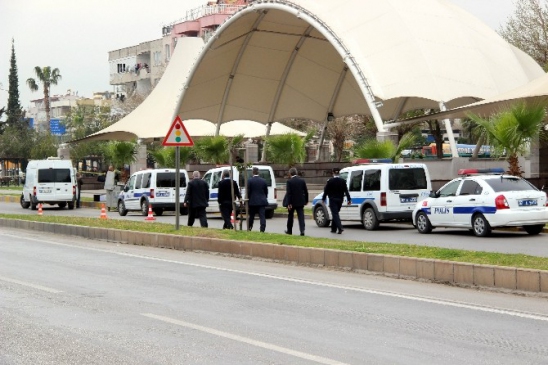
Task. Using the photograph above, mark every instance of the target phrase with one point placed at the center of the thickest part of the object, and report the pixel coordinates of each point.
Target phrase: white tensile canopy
(277, 59)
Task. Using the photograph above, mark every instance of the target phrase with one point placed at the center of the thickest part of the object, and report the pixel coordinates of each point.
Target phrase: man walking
(196, 199)
(225, 198)
(257, 192)
(336, 189)
(297, 198)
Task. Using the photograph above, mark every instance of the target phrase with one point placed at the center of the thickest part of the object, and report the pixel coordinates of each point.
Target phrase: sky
(76, 36)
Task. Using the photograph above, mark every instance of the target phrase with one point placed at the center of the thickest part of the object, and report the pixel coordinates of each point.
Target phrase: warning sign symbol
(177, 135)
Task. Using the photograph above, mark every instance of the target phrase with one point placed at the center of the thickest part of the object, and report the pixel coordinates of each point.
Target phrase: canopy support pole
(449, 130)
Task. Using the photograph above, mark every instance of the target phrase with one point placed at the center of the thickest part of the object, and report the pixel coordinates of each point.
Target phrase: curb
(436, 271)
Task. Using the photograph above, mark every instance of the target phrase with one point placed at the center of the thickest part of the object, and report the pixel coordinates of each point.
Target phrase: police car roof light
(491, 171)
(364, 161)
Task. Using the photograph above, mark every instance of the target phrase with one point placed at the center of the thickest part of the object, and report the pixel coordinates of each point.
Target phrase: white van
(213, 176)
(379, 193)
(51, 181)
(153, 188)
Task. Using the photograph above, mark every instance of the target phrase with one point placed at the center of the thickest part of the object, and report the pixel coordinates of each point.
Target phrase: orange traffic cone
(150, 217)
(40, 209)
(103, 212)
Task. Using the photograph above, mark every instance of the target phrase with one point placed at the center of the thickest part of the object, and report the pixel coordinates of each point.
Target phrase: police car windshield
(510, 184)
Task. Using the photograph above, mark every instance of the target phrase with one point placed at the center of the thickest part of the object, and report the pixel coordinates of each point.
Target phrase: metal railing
(201, 12)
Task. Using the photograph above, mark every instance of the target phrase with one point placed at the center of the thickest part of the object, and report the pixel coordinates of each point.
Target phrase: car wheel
(23, 203)
(71, 205)
(269, 214)
(122, 208)
(62, 205)
(33, 205)
(369, 219)
(423, 223)
(320, 216)
(480, 225)
(534, 229)
(144, 207)
(158, 211)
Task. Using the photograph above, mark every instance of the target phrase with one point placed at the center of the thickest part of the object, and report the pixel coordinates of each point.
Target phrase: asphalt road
(66, 300)
(500, 241)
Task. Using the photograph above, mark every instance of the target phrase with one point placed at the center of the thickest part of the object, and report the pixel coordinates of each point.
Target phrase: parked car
(483, 202)
(153, 188)
(380, 192)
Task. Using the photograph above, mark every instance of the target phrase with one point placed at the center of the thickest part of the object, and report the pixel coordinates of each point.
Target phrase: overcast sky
(76, 36)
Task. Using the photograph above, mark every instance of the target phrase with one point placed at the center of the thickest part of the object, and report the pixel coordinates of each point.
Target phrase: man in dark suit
(257, 193)
(297, 198)
(336, 189)
(196, 200)
(225, 198)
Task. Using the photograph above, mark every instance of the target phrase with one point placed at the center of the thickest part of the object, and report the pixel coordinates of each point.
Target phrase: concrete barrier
(438, 271)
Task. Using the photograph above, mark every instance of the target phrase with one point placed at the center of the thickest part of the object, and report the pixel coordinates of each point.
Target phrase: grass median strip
(405, 250)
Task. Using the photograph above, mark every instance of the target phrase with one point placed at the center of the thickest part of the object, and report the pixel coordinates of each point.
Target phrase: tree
(119, 154)
(372, 148)
(512, 131)
(14, 111)
(527, 29)
(47, 77)
(346, 128)
(165, 156)
(288, 149)
(44, 146)
(216, 149)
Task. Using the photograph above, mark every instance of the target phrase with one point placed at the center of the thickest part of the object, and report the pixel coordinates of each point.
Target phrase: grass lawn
(475, 257)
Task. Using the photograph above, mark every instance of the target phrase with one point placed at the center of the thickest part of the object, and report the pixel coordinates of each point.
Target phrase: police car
(380, 191)
(480, 200)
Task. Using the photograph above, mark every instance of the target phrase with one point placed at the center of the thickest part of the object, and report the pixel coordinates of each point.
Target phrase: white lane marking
(250, 341)
(30, 285)
(451, 303)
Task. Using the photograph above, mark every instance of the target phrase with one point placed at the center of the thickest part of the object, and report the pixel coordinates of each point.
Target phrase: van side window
(146, 181)
(372, 180)
(131, 183)
(355, 180)
(344, 176)
(182, 181)
(215, 178)
(207, 178)
(138, 182)
(407, 179)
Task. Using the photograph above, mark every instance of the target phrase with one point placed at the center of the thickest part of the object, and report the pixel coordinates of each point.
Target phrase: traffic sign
(178, 135)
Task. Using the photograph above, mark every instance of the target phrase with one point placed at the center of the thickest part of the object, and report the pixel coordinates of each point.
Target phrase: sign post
(177, 136)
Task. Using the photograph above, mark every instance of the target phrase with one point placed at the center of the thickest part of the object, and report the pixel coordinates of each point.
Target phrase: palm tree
(165, 156)
(288, 149)
(47, 76)
(372, 148)
(216, 149)
(512, 131)
(119, 154)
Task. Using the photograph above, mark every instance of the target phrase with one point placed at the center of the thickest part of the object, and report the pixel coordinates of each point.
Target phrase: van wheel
(33, 205)
(269, 214)
(158, 211)
(369, 219)
(62, 205)
(144, 207)
(320, 217)
(122, 208)
(23, 203)
(481, 226)
(71, 205)
(423, 223)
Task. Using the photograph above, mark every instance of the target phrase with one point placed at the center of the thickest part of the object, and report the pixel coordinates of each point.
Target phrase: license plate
(163, 194)
(44, 191)
(527, 202)
(408, 200)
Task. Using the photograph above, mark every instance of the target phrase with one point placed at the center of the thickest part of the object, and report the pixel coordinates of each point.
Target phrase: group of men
(296, 198)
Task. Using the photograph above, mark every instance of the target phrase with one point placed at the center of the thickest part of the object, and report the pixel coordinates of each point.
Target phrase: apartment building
(138, 68)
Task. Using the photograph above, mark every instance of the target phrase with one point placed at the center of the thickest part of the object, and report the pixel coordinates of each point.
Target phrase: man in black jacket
(297, 198)
(225, 198)
(257, 193)
(196, 199)
(336, 189)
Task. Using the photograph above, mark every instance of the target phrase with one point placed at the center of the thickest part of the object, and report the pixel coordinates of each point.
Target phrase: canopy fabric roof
(533, 92)
(277, 59)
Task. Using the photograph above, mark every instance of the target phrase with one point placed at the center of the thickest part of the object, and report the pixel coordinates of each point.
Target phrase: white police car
(482, 202)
